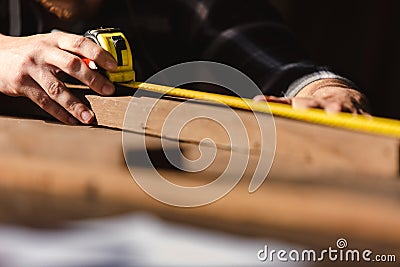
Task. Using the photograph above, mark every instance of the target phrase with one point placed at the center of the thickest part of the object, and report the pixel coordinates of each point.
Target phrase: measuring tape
(114, 41)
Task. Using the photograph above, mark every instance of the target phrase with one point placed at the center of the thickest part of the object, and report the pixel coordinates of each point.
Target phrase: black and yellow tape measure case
(115, 42)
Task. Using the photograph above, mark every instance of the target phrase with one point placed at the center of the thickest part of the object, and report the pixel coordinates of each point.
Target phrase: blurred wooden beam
(50, 173)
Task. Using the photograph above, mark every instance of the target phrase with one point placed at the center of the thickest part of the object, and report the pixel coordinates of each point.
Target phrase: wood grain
(308, 147)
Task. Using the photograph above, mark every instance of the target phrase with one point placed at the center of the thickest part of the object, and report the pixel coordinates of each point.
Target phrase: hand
(30, 67)
(331, 95)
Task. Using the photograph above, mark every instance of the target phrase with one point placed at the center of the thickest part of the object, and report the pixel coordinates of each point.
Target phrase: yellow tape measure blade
(362, 123)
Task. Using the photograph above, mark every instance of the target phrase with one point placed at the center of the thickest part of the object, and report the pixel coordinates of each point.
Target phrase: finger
(282, 100)
(86, 48)
(331, 107)
(40, 97)
(74, 66)
(57, 92)
(366, 115)
(354, 108)
(260, 98)
(360, 102)
(301, 103)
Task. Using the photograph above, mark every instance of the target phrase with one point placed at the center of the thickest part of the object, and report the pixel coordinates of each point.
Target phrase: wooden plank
(312, 148)
(309, 147)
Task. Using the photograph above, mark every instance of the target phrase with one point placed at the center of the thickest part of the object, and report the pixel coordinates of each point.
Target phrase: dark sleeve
(4, 23)
(251, 36)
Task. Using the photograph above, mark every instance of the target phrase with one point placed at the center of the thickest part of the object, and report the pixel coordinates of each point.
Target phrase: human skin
(332, 95)
(31, 66)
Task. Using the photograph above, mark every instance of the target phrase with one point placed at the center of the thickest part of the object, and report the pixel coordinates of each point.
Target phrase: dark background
(359, 39)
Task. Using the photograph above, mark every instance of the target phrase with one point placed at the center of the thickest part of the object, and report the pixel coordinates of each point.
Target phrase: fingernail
(259, 98)
(72, 121)
(332, 111)
(333, 108)
(111, 65)
(108, 89)
(86, 116)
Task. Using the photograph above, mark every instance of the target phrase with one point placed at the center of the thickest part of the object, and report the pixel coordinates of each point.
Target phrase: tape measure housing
(115, 42)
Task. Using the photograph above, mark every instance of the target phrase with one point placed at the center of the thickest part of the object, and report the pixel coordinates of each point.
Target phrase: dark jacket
(247, 35)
